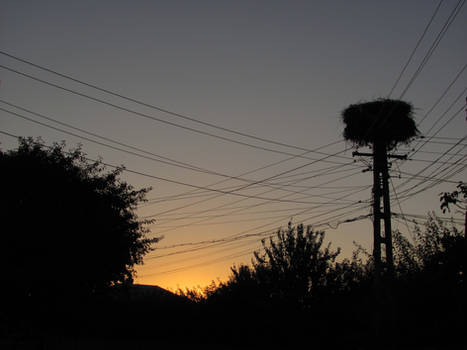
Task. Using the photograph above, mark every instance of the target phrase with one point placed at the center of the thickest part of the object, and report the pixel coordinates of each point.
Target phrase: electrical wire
(235, 211)
(152, 118)
(415, 48)
(232, 192)
(151, 106)
(442, 95)
(434, 45)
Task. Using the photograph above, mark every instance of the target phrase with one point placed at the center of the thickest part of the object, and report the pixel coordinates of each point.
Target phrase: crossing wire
(434, 45)
(197, 169)
(150, 117)
(235, 211)
(415, 48)
(228, 257)
(247, 233)
(232, 192)
(449, 22)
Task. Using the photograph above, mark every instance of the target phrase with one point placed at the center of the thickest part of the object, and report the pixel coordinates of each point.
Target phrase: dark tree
(68, 226)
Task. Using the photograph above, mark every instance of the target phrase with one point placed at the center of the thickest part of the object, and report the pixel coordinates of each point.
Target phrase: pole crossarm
(363, 154)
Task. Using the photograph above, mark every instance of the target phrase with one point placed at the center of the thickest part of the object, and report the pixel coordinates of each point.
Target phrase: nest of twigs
(382, 121)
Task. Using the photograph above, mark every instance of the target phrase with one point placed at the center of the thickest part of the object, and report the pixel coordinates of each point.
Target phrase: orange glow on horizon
(196, 277)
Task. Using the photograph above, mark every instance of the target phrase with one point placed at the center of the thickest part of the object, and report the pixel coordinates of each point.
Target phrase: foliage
(430, 250)
(349, 275)
(429, 287)
(385, 121)
(199, 294)
(68, 225)
(292, 268)
(453, 197)
(295, 277)
(457, 198)
(294, 265)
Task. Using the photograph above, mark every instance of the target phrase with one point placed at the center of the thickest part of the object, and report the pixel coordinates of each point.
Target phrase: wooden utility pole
(382, 241)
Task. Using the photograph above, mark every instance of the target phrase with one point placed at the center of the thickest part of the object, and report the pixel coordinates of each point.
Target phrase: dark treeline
(298, 296)
(70, 239)
(296, 291)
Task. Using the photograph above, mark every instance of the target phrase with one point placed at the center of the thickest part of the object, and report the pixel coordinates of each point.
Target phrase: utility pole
(381, 124)
(382, 241)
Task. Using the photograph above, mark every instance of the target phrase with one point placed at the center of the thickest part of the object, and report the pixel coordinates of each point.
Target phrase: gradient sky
(280, 70)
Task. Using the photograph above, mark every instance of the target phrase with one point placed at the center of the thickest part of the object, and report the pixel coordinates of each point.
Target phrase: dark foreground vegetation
(57, 291)
(295, 291)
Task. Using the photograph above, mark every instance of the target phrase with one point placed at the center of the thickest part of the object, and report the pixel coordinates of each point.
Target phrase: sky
(221, 103)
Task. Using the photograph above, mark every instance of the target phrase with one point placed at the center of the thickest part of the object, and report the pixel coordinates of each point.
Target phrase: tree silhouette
(68, 226)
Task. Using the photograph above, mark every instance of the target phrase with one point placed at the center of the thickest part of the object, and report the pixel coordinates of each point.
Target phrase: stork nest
(381, 121)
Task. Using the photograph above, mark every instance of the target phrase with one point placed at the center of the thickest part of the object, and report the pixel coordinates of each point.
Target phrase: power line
(235, 211)
(15, 136)
(269, 211)
(289, 183)
(266, 184)
(164, 160)
(417, 216)
(232, 192)
(247, 233)
(150, 117)
(205, 263)
(145, 104)
(425, 152)
(452, 174)
(229, 240)
(440, 118)
(245, 252)
(196, 214)
(444, 137)
(415, 48)
(222, 181)
(434, 45)
(427, 167)
(454, 170)
(426, 178)
(5, 133)
(229, 246)
(224, 242)
(430, 161)
(208, 199)
(443, 94)
(437, 142)
(399, 205)
(233, 221)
